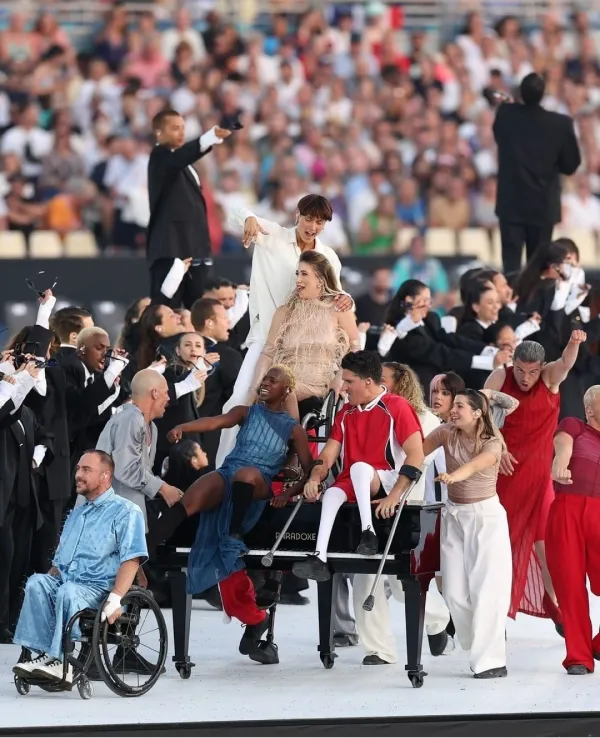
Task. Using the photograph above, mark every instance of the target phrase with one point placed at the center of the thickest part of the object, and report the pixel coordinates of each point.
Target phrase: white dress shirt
(274, 265)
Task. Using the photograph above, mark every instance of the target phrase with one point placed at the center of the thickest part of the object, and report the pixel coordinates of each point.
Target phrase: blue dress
(263, 443)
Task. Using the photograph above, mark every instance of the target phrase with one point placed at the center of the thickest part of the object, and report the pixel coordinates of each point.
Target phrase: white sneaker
(53, 670)
(24, 668)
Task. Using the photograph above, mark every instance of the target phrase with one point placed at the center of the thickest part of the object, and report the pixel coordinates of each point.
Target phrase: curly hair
(288, 376)
(407, 385)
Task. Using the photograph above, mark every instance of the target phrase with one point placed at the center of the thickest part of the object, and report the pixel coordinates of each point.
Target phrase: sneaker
(368, 543)
(439, 642)
(24, 668)
(374, 660)
(53, 670)
(578, 670)
(312, 568)
(497, 673)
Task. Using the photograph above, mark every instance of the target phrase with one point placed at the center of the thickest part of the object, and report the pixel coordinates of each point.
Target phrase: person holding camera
(178, 226)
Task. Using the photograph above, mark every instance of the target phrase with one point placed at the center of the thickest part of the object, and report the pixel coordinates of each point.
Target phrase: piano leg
(326, 592)
(415, 593)
(182, 612)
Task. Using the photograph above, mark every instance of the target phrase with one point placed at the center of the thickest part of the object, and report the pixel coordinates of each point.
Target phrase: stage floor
(226, 686)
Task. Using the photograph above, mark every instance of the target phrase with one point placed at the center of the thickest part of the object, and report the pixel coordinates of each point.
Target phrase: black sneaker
(496, 673)
(368, 543)
(577, 670)
(374, 660)
(312, 568)
(131, 662)
(252, 635)
(438, 643)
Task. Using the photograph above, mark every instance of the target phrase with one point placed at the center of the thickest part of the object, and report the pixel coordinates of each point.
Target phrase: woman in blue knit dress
(232, 498)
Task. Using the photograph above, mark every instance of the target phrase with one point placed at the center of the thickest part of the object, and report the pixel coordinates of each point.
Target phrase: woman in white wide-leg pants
(475, 545)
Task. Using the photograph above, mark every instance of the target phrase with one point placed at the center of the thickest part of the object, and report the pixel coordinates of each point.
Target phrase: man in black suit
(48, 403)
(210, 320)
(24, 446)
(91, 390)
(178, 227)
(535, 146)
(67, 324)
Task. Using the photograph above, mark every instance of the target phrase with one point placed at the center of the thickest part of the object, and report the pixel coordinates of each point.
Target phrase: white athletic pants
(239, 397)
(477, 576)
(374, 628)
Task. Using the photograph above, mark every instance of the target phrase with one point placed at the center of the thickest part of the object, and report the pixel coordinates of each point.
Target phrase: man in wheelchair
(102, 545)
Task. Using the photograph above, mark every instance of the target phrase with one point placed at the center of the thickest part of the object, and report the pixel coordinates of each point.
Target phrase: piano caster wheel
(328, 660)
(417, 680)
(185, 670)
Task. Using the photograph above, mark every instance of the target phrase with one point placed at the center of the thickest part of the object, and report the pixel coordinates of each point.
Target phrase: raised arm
(563, 450)
(235, 416)
(556, 372)
(506, 402)
(496, 379)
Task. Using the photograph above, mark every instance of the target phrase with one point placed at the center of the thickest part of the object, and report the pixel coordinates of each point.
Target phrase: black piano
(414, 558)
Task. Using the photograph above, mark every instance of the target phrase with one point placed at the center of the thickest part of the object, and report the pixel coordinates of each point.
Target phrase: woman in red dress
(525, 485)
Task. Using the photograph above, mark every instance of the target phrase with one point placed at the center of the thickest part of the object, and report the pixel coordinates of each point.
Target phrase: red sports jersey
(373, 434)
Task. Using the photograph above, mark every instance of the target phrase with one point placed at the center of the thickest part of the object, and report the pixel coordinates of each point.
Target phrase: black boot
(164, 528)
(374, 660)
(242, 496)
(438, 643)
(252, 635)
(368, 543)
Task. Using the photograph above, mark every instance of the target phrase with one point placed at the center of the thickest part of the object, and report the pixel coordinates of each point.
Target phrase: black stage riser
(549, 724)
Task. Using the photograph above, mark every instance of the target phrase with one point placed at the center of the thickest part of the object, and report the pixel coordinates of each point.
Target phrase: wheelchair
(111, 648)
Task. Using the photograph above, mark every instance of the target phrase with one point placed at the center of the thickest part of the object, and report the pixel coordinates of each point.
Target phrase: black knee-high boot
(242, 494)
(165, 526)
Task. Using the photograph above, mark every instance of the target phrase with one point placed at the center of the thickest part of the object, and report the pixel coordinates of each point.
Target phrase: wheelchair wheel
(85, 688)
(130, 655)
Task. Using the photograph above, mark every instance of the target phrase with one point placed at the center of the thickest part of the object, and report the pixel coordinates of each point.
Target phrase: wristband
(113, 603)
(411, 472)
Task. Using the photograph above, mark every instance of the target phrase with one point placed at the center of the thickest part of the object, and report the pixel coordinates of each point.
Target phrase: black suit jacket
(178, 226)
(219, 388)
(65, 355)
(35, 435)
(85, 425)
(535, 146)
(51, 412)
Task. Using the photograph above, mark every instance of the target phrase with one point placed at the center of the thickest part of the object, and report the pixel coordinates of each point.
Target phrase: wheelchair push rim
(141, 624)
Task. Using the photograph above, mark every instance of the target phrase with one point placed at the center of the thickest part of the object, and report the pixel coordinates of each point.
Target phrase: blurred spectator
(379, 228)
(580, 208)
(372, 307)
(417, 265)
(183, 33)
(450, 209)
(484, 205)
(28, 141)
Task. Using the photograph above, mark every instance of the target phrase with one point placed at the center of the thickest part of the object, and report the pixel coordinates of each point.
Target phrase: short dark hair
(532, 89)
(315, 206)
(68, 320)
(203, 310)
(365, 364)
(105, 459)
(216, 283)
(159, 119)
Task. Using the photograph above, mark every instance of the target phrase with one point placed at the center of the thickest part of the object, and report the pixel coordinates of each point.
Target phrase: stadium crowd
(394, 128)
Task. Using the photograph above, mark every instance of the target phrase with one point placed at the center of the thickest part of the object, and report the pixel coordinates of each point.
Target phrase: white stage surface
(226, 686)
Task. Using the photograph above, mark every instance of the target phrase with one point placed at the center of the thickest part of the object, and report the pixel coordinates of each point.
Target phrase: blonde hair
(89, 333)
(407, 385)
(288, 375)
(590, 393)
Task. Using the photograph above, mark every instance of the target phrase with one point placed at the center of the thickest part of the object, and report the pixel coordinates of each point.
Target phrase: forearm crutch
(369, 603)
(267, 559)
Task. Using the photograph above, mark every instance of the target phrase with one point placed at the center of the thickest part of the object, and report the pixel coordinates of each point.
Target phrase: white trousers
(239, 397)
(477, 576)
(375, 629)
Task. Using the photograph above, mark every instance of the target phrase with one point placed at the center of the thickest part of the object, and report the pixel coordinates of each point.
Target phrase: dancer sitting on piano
(233, 498)
(373, 432)
(475, 544)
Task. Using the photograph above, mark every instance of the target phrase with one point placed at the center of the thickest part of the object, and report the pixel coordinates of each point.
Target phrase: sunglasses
(31, 284)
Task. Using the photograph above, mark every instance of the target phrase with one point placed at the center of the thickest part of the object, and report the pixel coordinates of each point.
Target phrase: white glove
(113, 603)
(209, 139)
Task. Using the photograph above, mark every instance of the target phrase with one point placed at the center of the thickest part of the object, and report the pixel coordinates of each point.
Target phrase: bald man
(130, 438)
(92, 390)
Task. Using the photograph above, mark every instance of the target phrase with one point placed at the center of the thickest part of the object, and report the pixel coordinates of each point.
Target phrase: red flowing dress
(528, 493)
